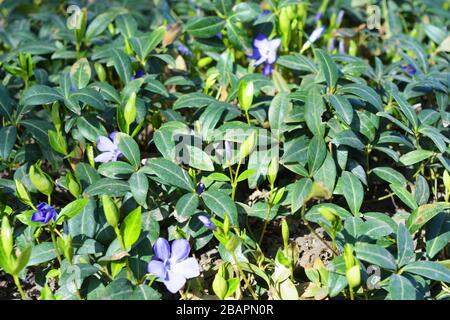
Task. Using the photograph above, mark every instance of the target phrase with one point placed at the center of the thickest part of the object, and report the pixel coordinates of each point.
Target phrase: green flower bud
(285, 233)
(232, 243)
(248, 145)
(41, 180)
(272, 170)
(285, 28)
(226, 224)
(203, 62)
(353, 276)
(245, 94)
(90, 155)
(7, 237)
(111, 211)
(128, 48)
(348, 256)
(22, 193)
(328, 214)
(130, 111)
(101, 73)
(73, 185)
(55, 116)
(446, 180)
(220, 286)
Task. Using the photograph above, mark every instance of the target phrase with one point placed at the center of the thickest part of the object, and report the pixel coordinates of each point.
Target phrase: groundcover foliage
(176, 149)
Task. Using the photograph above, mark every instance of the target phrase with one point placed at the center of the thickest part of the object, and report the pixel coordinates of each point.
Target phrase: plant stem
(234, 181)
(247, 283)
(352, 297)
(315, 233)
(266, 222)
(55, 244)
(19, 287)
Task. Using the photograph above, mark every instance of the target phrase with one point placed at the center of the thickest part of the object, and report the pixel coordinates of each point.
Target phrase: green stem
(266, 221)
(247, 283)
(55, 244)
(315, 233)
(247, 116)
(352, 296)
(19, 287)
(234, 181)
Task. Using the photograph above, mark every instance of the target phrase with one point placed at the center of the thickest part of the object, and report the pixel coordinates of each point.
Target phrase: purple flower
(172, 266)
(341, 46)
(318, 16)
(140, 73)
(200, 188)
(267, 70)
(331, 44)
(409, 69)
(72, 88)
(182, 49)
(228, 152)
(110, 151)
(44, 214)
(339, 17)
(316, 34)
(207, 222)
(219, 35)
(264, 13)
(265, 50)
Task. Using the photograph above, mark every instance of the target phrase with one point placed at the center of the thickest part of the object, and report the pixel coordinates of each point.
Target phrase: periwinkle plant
(150, 141)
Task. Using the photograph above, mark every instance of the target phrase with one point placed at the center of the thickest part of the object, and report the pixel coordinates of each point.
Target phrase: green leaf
(41, 253)
(204, 27)
(429, 269)
(406, 197)
(300, 192)
(193, 100)
(365, 93)
(8, 137)
(100, 23)
(139, 187)
(130, 228)
(199, 159)
(375, 254)
(348, 138)
(71, 210)
(353, 191)
(40, 94)
(90, 97)
(277, 113)
(129, 148)
(110, 187)
(424, 213)
(144, 292)
(187, 205)
(405, 246)
(438, 234)
(343, 108)
(314, 107)
(80, 73)
(400, 288)
(317, 152)
(390, 175)
(421, 190)
(328, 67)
(220, 203)
(22, 260)
(122, 64)
(170, 173)
(115, 169)
(246, 174)
(415, 156)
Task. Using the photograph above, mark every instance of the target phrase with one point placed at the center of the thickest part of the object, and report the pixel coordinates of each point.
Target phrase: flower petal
(188, 268)
(174, 282)
(105, 157)
(112, 136)
(275, 43)
(104, 144)
(37, 217)
(180, 250)
(157, 269)
(162, 249)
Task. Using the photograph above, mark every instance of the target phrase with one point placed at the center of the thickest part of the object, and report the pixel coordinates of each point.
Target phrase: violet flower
(265, 51)
(171, 265)
(44, 214)
(200, 188)
(316, 34)
(340, 16)
(183, 50)
(207, 222)
(409, 69)
(341, 46)
(228, 152)
(110, 151)
(140, 73)
(318, 16)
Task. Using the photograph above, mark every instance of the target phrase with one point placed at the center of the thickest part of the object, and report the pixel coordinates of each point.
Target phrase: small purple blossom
(183, 50)
(171, 265)
(340, 16)
(265, 51)
(264, 13)
(318, 16)
(140, 73)
(341, 46)
(267, 70)
(44, 214)
(219, 35)
(110, 151)
(200, 188)
(207, 222)
(409, 69)
(316, 34)
(72, 88)
(332, 44)
(228, 151)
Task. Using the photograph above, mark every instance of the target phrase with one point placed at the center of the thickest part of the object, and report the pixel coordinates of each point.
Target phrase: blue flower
(409, 69)
(207, 222)
(219, 35)
(341, 46)
(265, 51)
(44, 214)
(182, 49)
(318, 16)
(200, 188)
(171, 265)
(110, 151)
(316, 34)
(140, 73)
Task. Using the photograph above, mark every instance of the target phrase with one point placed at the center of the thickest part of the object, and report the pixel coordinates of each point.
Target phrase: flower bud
(130, 111)
(40, 180)
(446, 180)
(101, 73)
(232, 243)
(73, 185)
(90, 155)
(203, 62)
(328, 214)
(272, 170)
(285, 233)
(128, 48)
(248, 145)
(348, 256)
(353, 276)
(245, 94)
(111, 211)
(226, 224)
(22, 193)
(285, 28)
(6, 237)
(220, 286)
